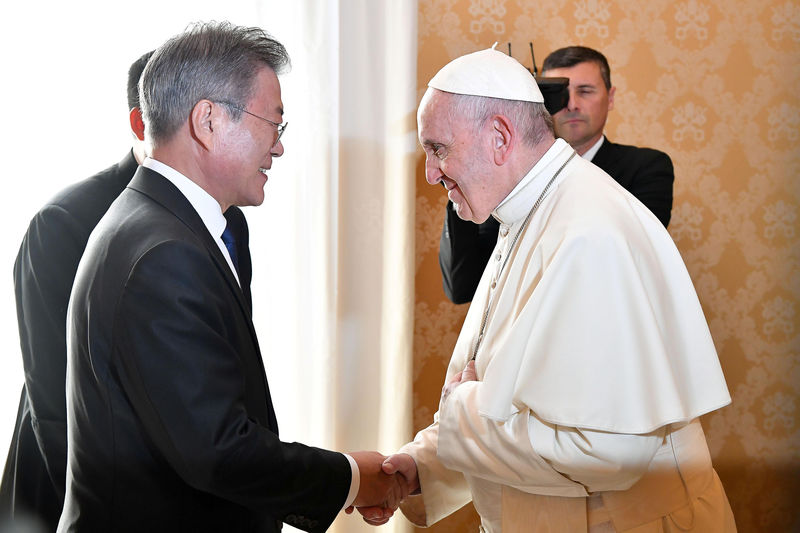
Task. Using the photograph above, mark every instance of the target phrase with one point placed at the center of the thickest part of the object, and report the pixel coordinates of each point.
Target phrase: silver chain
(511, 248)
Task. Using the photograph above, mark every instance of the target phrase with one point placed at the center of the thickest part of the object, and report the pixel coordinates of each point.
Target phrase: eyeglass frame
(280, 127)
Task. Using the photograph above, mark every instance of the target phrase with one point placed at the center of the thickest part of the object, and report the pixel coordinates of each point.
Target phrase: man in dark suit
(171, 425)
(647, 174)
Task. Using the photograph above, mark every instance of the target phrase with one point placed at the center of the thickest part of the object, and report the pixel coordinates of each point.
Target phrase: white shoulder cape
(595, 322)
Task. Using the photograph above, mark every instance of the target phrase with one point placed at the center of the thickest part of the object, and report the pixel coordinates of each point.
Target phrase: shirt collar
(518, 203)
(202, 202)
(591, 152)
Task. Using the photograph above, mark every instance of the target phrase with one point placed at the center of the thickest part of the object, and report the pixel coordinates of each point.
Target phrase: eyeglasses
(280, 127)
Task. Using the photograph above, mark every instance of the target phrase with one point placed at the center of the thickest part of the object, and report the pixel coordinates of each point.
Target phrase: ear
(203, 122)
(137, 124)
(611, 92)
(503, 135)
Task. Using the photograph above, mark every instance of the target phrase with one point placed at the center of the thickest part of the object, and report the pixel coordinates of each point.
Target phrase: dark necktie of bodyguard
(230, 244)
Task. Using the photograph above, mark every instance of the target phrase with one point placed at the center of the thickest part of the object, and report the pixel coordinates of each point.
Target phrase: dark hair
(572, 55)
(134, 73)
(216, 61)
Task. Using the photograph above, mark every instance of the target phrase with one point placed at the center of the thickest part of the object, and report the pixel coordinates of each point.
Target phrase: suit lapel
(160, 190)
(163, 192)
(605, 155)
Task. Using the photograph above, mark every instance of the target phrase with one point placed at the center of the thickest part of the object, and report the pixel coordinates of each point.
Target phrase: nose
(277, 150)
(572, 104)
(433, 173)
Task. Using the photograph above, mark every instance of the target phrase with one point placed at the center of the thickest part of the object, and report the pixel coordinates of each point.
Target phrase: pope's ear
(137, 124)
(202, 122)
(503, 137)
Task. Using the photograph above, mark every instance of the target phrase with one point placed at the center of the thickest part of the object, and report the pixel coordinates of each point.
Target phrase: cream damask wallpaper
(715, 85)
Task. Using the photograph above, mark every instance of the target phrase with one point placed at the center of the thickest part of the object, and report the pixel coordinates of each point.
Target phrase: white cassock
(594, 364)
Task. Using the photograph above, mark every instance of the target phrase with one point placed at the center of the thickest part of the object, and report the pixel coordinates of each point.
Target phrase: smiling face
(245, 148)
(458, 156)
(581, 123)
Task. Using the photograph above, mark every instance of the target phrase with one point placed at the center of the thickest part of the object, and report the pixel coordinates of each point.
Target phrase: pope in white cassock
(572, 396)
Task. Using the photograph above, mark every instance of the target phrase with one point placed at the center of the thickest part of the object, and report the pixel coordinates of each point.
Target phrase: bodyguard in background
(34, 475)
(465, 247)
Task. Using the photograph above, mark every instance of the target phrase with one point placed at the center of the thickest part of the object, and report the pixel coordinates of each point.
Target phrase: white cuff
(355, 482)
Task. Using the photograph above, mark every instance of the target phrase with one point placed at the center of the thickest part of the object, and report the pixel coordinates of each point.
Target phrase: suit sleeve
(653, 182)
(464, 251)
(43, 274)
(183, 364)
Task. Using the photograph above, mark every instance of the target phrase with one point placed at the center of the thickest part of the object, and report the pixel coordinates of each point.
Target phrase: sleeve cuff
(355, 482)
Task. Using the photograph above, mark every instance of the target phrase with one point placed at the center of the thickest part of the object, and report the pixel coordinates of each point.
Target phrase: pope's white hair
(529, 118)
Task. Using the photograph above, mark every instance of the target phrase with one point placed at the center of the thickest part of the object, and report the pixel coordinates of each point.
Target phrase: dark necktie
(230, 244)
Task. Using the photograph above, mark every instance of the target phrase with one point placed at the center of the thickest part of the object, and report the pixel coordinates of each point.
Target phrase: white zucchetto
(489, 73)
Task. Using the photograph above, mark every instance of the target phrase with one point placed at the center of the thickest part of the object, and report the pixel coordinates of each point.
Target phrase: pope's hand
(468, 374)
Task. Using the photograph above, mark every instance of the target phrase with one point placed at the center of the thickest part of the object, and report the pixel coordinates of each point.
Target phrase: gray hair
(214, 61)
(531, 119)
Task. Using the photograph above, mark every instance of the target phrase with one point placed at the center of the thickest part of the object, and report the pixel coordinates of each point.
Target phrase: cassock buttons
(498, 256)
(503, 230)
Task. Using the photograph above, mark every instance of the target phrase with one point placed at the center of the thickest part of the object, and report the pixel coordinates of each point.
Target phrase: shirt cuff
(355, 482)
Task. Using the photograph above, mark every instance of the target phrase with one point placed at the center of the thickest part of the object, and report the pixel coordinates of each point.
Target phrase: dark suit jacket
(35, 472)
(465, 247)
(171, 424)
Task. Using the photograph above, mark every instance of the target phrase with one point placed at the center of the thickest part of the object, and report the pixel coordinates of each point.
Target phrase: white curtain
(334, 284)
(333, 243)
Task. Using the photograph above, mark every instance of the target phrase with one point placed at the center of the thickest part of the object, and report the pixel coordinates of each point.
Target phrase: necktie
(230, 244)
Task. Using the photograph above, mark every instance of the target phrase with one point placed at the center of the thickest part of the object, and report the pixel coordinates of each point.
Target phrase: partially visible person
(32, 488)
(171, 425)
(572, 397)
(465, 247)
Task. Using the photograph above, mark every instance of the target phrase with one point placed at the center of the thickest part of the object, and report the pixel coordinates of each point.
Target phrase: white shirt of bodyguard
(594, 342)
(591, 152)
(211, 214)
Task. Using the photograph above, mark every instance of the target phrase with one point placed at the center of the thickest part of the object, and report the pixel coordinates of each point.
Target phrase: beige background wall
(714, 84)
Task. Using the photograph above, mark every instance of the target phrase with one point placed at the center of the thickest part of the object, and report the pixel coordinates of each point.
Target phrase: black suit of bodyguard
(33, 480)
(35, 472)
(174, 430)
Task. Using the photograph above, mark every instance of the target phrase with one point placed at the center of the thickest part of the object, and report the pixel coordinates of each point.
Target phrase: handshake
(387, 481)
(384, 483)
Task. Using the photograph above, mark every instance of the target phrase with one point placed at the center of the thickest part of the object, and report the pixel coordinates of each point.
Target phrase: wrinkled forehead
(432, 113)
